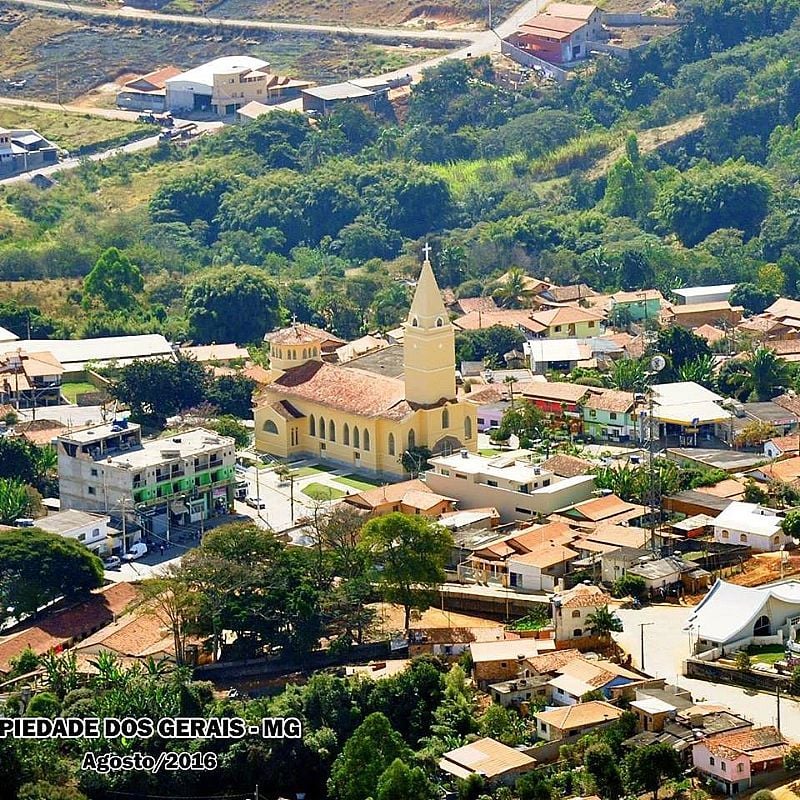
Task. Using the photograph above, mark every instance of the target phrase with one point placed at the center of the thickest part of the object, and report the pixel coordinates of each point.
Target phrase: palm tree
(15, 502)
(513, 289)
(701, 371)
(758, 377)
(628, 375)
(603, 622)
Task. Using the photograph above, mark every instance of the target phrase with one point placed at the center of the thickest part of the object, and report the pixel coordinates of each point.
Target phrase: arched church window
(366, 439)
(312, 426)
(346, 434)
(415, 322)
(439, 322)
(445, 418)
(412, 439)
(356, 438)
(467, 427)
(270, 427)
(322, 427)
(391, 444)
(332, 431)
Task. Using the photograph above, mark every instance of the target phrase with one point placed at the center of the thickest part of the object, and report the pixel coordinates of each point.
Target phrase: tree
(791, 523)
(753, 298)
(410, 553)
(38, 567)
(603, 622)
(759, 376)
(488, 345)
(630, 586)
(601, 764)
(525, 421)
(513, 291)
(232, 394)
(742, 661)
(706, 198)
(628, 375)
(227, 425)
(533, 786)
(701, 371)
(160, 388)
(114, 280)
(680, 346)
(645, 768)
(401, 782)
(15, 501)
(791, 761)
(232, 305)
(503, 725)
(358, 768)
(630, 187)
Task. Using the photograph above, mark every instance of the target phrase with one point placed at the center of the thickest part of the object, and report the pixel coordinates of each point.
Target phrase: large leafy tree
(368, 754)
(760, 376)
(38, 567)
(114, 280)
(410, 553)
(645, 768)
(602, 622)
(705, 198)
(601, 764)
(630, 187)
(488, 345)
(156, 389)
(752, 297)
(513, 291)
(232, 305)
(679, 346)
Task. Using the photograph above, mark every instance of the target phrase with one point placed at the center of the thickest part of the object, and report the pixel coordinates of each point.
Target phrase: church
(362, 419)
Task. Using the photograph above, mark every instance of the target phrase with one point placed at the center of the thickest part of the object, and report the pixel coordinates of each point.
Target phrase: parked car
(256, 502)
(112, 562)
(137, 551)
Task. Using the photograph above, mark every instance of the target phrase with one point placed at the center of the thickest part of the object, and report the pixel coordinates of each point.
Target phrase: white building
(573, 608)
(91, 530)
(687, 410)
(750, 524)
(517, 489)
(540, 569)
(694, 295)
(730, 617)
(185, 478)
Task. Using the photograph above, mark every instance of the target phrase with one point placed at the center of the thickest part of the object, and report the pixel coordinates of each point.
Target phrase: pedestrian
(161, 548)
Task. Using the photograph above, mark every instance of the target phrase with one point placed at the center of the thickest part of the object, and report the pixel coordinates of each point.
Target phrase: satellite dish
(657, 363)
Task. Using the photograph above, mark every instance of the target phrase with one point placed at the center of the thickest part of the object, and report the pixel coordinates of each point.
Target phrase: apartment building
(517, 489)
(185, 478)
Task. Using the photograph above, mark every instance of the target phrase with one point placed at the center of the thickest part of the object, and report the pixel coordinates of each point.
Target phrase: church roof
(352, 390)
(427, 304)
(301, 333)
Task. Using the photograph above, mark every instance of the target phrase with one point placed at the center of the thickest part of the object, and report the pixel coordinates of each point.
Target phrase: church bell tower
(429, 352)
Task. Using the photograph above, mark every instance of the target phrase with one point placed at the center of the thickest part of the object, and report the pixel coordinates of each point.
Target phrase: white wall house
(539, 570)
(752, 525)
(91, 530)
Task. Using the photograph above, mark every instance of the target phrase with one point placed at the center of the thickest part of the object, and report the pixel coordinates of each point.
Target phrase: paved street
(666, 645)
(71, 416)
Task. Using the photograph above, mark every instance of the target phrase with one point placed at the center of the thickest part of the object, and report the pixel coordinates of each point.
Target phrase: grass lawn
(766, 654)
(71, 130)
(358, 483)
(319, 491)
(305, 472)
(492, 451)
(72, 390)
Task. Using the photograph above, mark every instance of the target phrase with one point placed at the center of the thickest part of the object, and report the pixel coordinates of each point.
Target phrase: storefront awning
(693, 414)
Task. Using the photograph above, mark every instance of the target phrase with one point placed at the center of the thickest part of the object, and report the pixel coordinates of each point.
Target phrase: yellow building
(569, 322)
(362, 419)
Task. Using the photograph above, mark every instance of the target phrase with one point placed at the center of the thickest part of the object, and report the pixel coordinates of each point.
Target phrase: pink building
(740, 760)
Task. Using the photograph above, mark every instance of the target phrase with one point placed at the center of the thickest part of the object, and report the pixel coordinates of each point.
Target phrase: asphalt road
(666, 645)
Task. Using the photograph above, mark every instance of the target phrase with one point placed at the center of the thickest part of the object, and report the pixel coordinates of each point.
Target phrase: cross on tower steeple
(427, 251)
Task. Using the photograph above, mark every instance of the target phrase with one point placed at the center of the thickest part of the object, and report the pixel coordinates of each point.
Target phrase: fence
(639, 19)
(720, 673)
(529, 60)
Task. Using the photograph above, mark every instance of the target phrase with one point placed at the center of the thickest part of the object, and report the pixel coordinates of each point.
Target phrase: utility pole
(291, 496)
(778, 703)
(642, 626)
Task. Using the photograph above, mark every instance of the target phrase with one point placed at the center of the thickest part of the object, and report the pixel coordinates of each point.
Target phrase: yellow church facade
(361, 419)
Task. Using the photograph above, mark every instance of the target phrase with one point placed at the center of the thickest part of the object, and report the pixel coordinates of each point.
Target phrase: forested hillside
(570, 182)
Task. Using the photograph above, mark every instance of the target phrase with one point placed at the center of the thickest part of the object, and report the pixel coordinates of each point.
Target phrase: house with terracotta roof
(363, 419)
(696, 314)
(147, 92)
(573, 721)
(741, 760)
(611, 416)
(554, 39)
(569, 322)
(496, 763)
(782, 446)
(407, 497)
(559, 400)
(504, 659)
(572, 609)
(607, 509)
(566, 466)
(786, 471)
(579, 677)
(519, 319)
(30, 379)
(540, 569)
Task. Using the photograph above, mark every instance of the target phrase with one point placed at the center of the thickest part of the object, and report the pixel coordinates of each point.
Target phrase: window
(523, 510)
(439, 322)
(743, 537)
(92, 490)
(391, 444)
(557, 328)
(322, 427)
(725, 534)
(613, 415)
(346, 434)
(312, 426)
(591, 321)
(445, 418)
(270, 427)
(412, 439)
(93, 472)
(776, 539)
(577, 632)
(711, 761)
(722, 766)
(576, 613)
(467, 427)
(332, 431)
(305, 353)
(740, 767)
(366, 439)
(356, 438)
(491, 483)
(81, 537)
(592, 413)
(504, 664)
(95, 533)
(415, 322)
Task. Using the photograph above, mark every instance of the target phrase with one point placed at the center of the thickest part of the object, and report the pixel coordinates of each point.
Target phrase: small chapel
(359, 418)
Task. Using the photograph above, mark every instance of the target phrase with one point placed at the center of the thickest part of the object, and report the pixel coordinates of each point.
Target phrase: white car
(112, 562)
(256, 502)
(137, 551)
